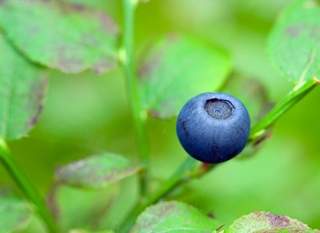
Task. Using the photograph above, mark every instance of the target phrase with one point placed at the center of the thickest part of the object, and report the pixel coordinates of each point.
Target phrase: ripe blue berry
(213, 127)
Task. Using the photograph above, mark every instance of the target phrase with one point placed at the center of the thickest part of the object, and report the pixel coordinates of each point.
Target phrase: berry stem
(26, 186)
(187, 170)
(293, 97)
(139, 116)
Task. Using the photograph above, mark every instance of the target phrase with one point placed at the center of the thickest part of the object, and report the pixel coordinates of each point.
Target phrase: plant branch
(190, 169)
(26, 186)
(293, 97)
(180, 175)
(139, 116)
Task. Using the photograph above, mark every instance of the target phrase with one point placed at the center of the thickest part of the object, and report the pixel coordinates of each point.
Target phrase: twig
(26, 186)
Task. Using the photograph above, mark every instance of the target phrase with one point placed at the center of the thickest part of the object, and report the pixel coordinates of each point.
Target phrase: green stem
(282, 107)
(181, 174)
(26, 186)
(139, 116)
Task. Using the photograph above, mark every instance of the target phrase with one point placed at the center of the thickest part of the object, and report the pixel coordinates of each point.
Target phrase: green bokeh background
(87, 114)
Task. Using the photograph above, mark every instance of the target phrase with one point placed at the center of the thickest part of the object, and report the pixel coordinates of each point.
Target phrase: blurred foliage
(167, 84)
(88, 113)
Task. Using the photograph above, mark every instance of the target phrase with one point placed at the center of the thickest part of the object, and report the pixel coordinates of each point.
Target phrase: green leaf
(96, 171)
(85, 231)
(174, 217)
(64, 37)
(261, 222)
(178, 68)
(294, 42)
(15, 214)
(252, 93)
(22, 90)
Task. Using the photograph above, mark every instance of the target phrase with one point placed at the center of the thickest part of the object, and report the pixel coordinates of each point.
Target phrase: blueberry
(213, 127)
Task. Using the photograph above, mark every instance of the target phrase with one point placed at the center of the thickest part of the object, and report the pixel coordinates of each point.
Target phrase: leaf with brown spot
(266, 222)
(98, 4)
(64, 37)
(174, 217)
(294, 42)
(15, 214)
(22, 91)
(96, 171)
(178, 68)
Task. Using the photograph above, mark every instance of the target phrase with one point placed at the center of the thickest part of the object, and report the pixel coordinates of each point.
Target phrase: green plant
(40, 36)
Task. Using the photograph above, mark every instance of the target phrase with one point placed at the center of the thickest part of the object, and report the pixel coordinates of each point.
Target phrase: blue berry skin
(213, 127)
